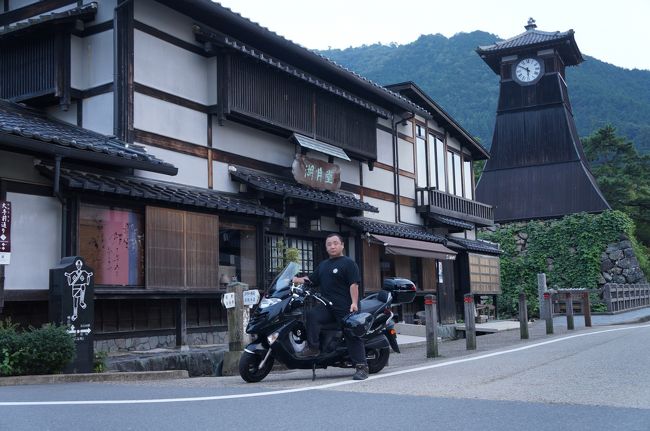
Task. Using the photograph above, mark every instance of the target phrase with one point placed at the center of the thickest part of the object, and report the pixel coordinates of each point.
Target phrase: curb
(93, 377)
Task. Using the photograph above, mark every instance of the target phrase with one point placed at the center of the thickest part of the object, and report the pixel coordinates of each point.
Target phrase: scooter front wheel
(249, 367)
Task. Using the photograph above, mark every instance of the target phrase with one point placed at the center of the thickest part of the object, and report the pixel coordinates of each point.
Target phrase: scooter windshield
(282, 281)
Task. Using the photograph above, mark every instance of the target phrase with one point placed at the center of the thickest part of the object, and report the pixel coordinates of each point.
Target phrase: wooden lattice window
(182, 249)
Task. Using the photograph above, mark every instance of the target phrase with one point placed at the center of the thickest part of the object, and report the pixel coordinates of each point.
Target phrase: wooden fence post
(586, 308)
(431, 321)
(523, 316)
(470, 322)
(607, 294)
(549, 313)
(569, 311)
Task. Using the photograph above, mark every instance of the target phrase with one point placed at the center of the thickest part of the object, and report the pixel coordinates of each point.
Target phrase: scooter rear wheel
(377, 359)
(249, 367)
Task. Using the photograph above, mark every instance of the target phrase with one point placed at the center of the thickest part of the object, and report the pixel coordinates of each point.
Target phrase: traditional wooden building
(176, 145)
(538, 168)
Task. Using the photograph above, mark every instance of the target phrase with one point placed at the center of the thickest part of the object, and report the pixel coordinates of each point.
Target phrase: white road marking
(318, 387)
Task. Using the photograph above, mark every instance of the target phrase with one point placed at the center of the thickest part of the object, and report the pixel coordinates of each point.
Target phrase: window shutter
(165, 245)
(371, 271)
(202, 250)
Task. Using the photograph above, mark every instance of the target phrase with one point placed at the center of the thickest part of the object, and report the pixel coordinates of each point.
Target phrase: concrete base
(231, 363)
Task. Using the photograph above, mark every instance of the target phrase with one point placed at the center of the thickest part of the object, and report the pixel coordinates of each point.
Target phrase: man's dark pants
(321, 315)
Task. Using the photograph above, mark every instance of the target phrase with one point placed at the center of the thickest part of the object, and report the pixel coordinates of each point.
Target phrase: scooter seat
(373, 302)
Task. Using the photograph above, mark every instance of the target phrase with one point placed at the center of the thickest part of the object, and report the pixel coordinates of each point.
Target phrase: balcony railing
(430, 200)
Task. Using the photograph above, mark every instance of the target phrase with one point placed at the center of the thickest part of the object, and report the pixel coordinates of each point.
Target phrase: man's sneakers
(309, 352)
(362, 373)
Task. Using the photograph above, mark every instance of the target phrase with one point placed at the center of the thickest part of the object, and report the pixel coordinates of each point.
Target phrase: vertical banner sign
(5, 232)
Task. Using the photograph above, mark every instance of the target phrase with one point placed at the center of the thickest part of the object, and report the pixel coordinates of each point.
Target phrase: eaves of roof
(84, 13)
(31, 131)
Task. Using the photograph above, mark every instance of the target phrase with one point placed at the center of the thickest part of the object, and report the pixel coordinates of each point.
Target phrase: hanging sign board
(5, 232)
(316, 173)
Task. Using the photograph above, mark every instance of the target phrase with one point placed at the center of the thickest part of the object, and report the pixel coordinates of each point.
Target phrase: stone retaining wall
(128, 344)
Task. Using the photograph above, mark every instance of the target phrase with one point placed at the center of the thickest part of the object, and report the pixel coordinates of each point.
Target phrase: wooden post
(181, 323)
(431, 321)
(586, 307)
(470, 322)
(541, 288)
(607, 294)
(569, 311)
(523, 316)
(549, 313)
(235, 330)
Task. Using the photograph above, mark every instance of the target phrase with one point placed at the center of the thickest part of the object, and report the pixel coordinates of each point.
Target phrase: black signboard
(71, 303)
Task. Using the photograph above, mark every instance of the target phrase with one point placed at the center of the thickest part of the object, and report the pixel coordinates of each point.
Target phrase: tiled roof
(288, 187)
(529, 37)
(54, 136)
(451, 221)
(392, 229)
(161, 191)
(475, 245)
(85, 12)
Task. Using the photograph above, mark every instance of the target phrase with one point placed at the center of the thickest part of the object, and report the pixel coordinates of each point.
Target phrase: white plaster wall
(169, 119)
(350, 249)
(407, 129)
(378, 179)
(211, 76)
(35, 241)
(435, 126)
(16, 4)
(406, 156)
(246, 141)
(386, 210)
(349, 171)
(221, 178)
(384, 122)
(165, 19)
(19, 167)
(384, 147)
(407, 187)
(92, 60)
(69, 116)
(105, 10)
(169, 68)
(98, 113)
(408, 215)
(192, 171)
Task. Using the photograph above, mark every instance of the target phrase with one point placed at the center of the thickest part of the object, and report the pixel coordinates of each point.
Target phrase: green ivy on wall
(568, 250)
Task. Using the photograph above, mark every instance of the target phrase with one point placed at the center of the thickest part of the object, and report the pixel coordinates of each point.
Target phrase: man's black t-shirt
(334, 276)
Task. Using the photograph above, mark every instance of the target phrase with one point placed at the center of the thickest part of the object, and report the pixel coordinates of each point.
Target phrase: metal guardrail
(621, 297)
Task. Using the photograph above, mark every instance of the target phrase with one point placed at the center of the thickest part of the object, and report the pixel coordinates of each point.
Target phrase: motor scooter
(278, 325)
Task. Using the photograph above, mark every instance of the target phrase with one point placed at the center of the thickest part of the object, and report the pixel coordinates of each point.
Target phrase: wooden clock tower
(537, 167)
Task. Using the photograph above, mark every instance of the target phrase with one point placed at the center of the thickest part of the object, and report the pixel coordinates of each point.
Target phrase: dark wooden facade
(537, 167)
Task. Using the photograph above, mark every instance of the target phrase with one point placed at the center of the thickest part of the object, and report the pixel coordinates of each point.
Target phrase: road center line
(319, 387)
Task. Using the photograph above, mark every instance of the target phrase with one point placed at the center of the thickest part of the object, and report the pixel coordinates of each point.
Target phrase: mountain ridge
(452, 73)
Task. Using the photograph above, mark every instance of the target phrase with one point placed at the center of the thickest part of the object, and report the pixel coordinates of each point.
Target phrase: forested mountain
(450, 71)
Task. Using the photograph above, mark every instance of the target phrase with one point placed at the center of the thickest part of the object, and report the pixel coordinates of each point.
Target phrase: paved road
(594, 379)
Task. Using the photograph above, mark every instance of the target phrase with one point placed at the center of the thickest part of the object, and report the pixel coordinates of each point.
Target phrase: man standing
(339, 280)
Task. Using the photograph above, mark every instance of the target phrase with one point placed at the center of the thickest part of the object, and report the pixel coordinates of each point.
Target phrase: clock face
(527, 70)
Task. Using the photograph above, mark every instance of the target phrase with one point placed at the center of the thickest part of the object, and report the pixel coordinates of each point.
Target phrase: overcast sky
(617, 32)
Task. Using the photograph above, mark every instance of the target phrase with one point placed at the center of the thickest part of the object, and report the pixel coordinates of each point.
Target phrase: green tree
(623, 176)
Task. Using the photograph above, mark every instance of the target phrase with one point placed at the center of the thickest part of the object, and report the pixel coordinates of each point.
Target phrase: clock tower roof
(531, 41)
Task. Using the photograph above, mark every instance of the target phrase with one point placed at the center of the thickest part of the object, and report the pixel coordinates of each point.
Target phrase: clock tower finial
(531, 24)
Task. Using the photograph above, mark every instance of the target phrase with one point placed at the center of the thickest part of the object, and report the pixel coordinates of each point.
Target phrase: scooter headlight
(267, 302)
(271, 338)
